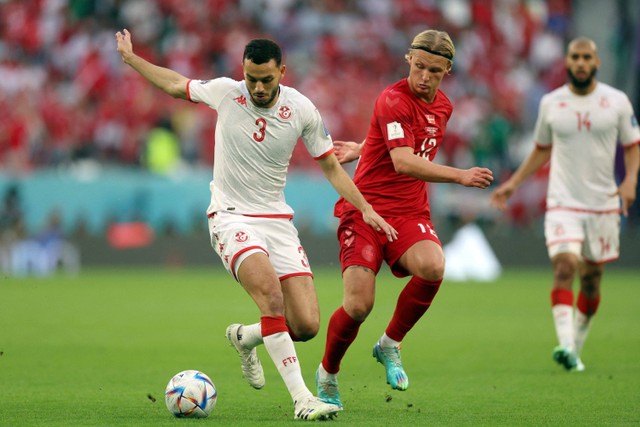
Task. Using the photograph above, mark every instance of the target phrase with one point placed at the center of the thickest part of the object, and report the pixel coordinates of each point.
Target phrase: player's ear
(283, 69)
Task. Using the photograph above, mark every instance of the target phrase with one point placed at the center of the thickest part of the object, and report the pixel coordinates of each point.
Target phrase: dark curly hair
(261, 51)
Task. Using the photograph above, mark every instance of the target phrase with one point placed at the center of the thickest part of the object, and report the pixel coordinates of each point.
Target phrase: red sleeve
(393, 113)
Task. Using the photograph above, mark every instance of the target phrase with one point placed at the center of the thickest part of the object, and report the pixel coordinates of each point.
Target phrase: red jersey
(399, 119)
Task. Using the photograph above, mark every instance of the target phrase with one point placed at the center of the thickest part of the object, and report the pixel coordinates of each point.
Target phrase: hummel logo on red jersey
(391, 102)
(241, 100)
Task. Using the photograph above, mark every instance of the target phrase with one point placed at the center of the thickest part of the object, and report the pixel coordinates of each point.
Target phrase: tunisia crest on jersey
(241, 236)
(285, 112)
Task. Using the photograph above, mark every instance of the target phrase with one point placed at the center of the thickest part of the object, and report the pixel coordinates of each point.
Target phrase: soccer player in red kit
(406, 129)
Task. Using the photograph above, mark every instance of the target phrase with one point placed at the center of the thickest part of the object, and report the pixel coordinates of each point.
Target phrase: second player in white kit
(578, 129)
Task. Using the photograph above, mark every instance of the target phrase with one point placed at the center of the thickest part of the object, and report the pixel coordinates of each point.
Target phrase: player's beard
(265, 101)
(581, 83)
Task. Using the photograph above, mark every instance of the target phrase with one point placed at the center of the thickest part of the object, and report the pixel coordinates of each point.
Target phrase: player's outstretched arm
(538, 157)
(168, 80)
(347, 189)
(347, 151)
(407, 163)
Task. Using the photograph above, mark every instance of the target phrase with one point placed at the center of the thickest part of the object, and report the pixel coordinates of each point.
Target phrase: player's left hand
(627, 193)
(347, 151)
(501, 195)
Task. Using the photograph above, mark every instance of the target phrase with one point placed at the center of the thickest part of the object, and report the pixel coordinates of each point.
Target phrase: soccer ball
(190, 394)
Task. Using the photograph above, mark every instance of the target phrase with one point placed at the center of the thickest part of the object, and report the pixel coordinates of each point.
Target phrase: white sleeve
(542, 134)
(315, 135)
(629, 132)
(210, 92)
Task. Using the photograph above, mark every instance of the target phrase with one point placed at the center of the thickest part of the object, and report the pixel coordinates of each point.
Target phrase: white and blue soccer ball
(190, 394)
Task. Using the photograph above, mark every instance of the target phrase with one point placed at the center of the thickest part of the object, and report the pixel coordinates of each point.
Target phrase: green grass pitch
(99, 349)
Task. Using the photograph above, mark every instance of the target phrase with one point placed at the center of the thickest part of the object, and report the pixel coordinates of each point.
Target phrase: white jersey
(584, 131)
(253, 146)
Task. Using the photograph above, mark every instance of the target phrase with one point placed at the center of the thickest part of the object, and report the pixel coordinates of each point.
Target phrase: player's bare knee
(563, 273)
(564, 268)
(358, 310)
(307, 331)
(431, 270)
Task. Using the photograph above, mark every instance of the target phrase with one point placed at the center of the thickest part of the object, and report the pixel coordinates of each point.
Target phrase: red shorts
(361, 245)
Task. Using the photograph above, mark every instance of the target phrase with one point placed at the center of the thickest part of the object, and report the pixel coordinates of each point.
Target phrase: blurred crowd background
(67, 102)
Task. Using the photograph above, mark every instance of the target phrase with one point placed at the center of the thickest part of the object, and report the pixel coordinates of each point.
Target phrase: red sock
(342, 331)
(561, 296)
(270, 325)
(587, 305)
(414, 300)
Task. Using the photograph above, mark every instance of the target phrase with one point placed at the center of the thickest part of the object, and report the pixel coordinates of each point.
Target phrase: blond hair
(435, 42)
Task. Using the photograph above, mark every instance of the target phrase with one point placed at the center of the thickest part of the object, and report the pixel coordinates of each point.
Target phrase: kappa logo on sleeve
(394, 131)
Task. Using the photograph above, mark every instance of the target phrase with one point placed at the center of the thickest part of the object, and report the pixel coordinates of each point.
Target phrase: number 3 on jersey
(262, 125)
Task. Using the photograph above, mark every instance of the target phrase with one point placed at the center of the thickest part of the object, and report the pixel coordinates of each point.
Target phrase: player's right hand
(125, 47)
(477, 177)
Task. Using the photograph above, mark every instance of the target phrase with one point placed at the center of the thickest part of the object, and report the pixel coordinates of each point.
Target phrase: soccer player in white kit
(578, 128)
(259, 123)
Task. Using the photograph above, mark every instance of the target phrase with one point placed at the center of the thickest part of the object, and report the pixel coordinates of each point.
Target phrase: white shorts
(594, 237)
(235, 237)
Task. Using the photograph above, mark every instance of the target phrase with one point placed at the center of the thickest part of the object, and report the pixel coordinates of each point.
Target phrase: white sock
(385, 341)
(322, 373)
(283, 353)
(563, 320)
(581, 326)
(250, 335)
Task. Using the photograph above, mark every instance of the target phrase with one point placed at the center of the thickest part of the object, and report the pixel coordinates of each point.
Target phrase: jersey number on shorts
(304, 260)
(605, 246)
(424, 228)
(262, 125)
